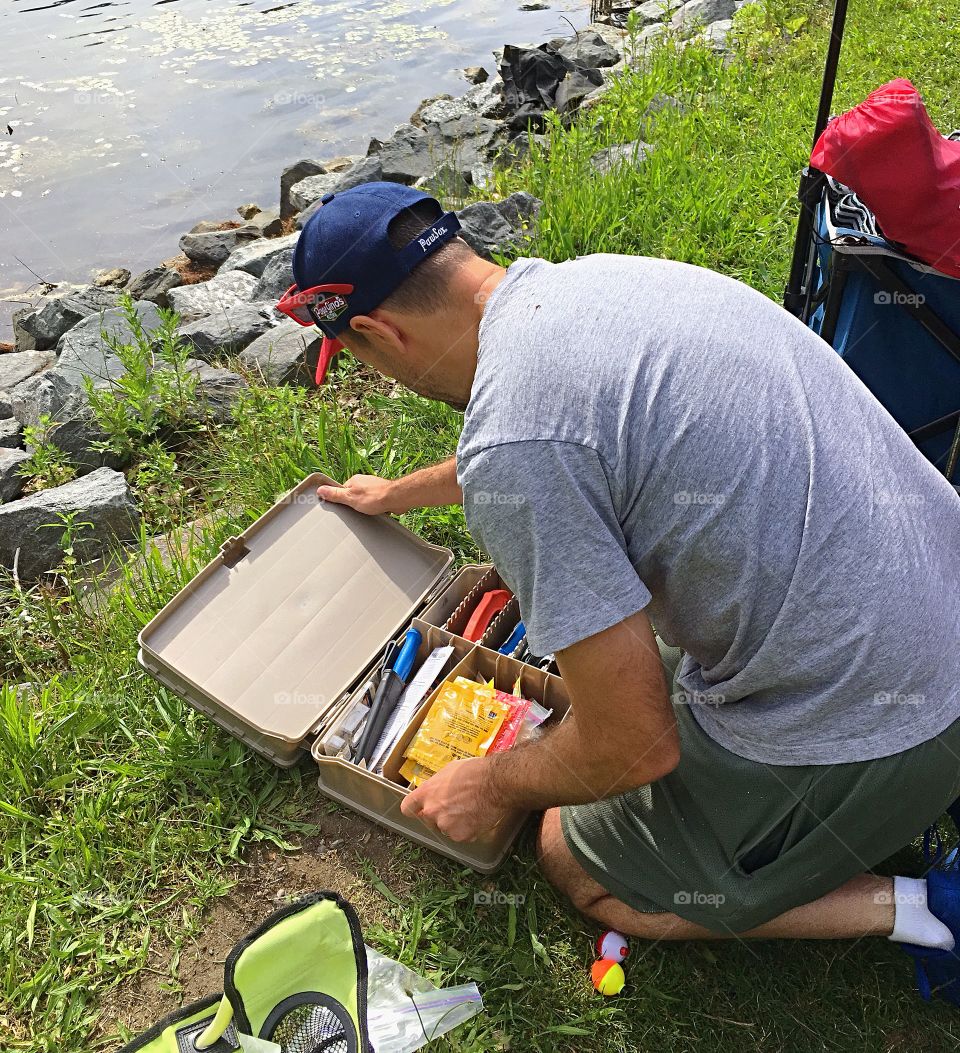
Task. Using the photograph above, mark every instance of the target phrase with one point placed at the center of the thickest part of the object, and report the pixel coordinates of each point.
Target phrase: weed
(48, 465)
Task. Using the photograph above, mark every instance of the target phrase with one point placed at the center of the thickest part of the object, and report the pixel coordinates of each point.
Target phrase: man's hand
(426, 488)
(365, 493)
(459, 801)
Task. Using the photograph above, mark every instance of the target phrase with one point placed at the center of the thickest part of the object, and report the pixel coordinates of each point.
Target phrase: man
(647, 445)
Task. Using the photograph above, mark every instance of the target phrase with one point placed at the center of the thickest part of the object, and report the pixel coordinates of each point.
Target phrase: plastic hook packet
(405, 1010)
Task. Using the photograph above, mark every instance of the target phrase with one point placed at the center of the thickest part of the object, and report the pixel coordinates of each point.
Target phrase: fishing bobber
(612, 946)
(607, 977)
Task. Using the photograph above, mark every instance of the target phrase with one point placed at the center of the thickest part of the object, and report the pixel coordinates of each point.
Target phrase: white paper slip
(413, 694)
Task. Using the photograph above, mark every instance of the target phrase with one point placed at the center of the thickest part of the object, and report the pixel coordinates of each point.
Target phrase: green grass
(124, 814)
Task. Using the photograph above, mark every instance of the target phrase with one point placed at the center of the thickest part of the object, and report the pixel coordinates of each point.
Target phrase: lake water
(132, 120)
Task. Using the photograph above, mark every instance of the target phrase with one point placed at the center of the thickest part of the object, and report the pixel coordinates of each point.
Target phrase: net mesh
(311, 1029)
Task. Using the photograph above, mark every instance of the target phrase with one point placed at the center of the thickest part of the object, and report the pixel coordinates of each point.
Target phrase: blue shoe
(938, 972)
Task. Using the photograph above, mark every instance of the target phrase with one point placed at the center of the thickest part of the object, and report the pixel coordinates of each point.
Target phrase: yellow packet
(415, 774)
(462, 722)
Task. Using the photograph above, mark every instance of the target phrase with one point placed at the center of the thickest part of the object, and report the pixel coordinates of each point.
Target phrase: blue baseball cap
(344, 264)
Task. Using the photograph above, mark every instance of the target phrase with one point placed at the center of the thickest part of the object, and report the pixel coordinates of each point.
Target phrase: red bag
(888, 151)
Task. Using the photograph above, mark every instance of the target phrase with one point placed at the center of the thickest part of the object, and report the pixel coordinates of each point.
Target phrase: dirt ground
(269, 880)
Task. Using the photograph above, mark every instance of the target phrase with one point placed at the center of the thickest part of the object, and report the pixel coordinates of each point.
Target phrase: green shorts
(730, 843)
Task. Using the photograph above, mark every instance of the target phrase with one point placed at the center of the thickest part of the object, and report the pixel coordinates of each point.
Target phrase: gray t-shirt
(648, 434)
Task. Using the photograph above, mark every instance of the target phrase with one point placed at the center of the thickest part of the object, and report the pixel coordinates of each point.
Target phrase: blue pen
(388, 693)
(514, 639)
(403, 662)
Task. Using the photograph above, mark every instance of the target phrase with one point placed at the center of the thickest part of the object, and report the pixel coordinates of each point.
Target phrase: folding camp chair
(894, 320)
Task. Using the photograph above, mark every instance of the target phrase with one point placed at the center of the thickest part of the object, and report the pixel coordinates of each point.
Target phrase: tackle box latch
(232, 551)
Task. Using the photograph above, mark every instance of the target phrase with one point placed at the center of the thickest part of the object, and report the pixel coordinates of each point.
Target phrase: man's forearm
(426, 488)
(569, 766)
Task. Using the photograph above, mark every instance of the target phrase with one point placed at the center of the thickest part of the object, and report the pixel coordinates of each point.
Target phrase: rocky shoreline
(229, 275)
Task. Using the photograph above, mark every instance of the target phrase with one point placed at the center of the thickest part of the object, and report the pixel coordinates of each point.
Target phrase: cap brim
(329, 347)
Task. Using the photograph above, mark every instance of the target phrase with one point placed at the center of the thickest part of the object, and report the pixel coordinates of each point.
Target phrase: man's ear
(378, 330)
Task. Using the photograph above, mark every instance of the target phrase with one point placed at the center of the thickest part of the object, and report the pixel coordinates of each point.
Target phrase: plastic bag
(405, 1010)
(889, 151)
(462, 722)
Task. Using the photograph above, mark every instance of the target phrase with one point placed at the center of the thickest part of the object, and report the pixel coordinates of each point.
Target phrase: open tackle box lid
(291, 614)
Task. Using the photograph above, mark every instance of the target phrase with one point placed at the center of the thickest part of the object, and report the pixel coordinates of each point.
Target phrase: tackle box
(281, 631)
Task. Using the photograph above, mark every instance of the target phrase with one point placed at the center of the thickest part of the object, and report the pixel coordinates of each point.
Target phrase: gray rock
(646, 39)
(39, 329)
(115, 278)
(612, 157)
(212, 247)
(277, 277)
(220, 295)
(534, 5)
(304, 193)
(218, 390)
(459, 136)
(45, 394)
(207, 226)
(227, 333)
(446, 182)
(341, 163)
(84, 352)
(6, 406)
(443, 104)
(366, 170)
(262, 225)
(32, 526)
(476, 74)
(154, 285)
(16, 367)
(10, 433)
(286, 355)
(248, 211)
(611, 35)
(572, 90)
(590, 49)
(487, 98)
(501, 227)
(405, 156)
(464, 142)
(481, 175)
(717, 33)
(444, 109)
(520, 147)
(654, 11)
(73, 429)
(701, 13)
(11, 482)
(254, 258)
(292, 175)
(363, 170)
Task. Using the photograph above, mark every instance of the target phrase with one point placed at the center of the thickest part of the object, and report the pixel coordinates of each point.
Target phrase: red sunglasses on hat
(320, 305)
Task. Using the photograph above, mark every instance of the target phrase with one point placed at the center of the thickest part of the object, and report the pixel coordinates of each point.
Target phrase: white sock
(912, 920)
